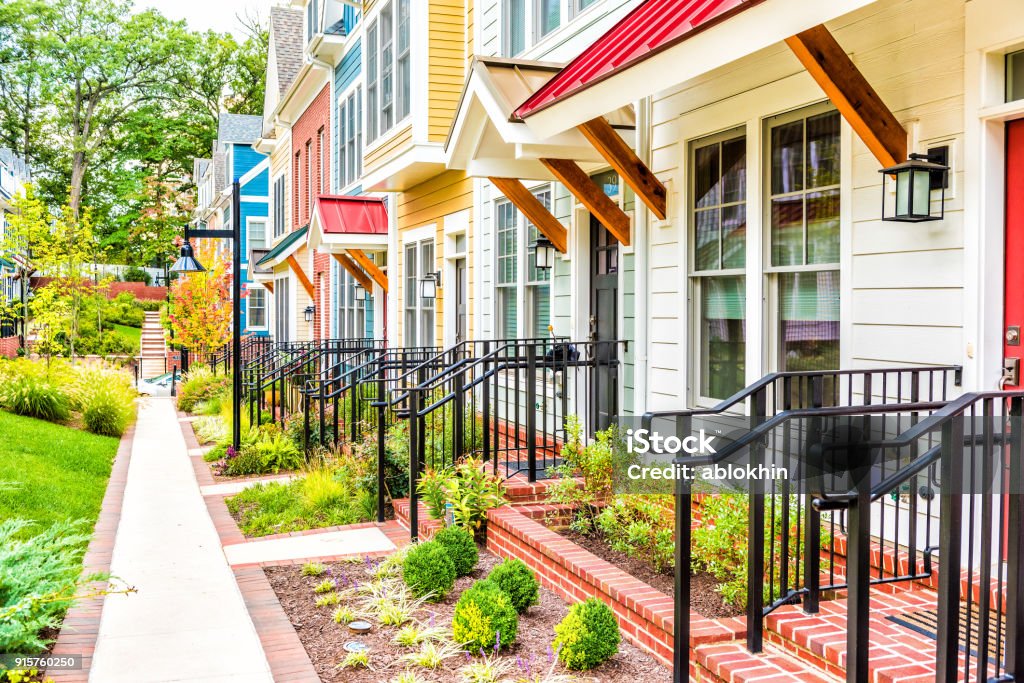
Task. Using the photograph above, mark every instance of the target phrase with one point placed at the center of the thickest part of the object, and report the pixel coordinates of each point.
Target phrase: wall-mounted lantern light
(544, 252)
(308, 313)
(915, 180)
(359, 293)
(429, 284)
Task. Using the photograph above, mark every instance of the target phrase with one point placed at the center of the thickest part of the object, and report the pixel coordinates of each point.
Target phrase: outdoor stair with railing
(153, 347)
(867, 605)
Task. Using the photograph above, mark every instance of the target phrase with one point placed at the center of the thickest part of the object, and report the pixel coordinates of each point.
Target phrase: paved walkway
(188, 621)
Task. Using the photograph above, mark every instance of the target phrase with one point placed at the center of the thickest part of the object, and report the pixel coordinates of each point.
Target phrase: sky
(219, 15)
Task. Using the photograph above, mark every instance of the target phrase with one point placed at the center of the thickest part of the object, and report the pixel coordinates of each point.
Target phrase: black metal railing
(505, 402)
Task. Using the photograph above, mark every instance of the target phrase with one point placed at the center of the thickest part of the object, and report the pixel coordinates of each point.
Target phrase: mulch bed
(704, 597)
(324, 640)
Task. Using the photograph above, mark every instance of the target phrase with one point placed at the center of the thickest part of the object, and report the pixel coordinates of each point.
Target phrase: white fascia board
(255, 171)
(754, 29)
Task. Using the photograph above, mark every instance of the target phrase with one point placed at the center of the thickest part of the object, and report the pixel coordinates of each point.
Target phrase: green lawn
(133, 334)
(49, 472)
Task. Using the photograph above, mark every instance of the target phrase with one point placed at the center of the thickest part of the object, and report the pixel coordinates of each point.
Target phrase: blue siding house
(234, 158)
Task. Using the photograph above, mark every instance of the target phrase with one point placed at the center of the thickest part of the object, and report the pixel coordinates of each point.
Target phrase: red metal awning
(352, 215)
(653, 26)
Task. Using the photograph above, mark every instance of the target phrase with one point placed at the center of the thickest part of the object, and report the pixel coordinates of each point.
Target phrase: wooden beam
(829, 65)
(360, 257)
(269, 286)
(591, 196)
(535, 212)
(353, 270)
(623, 159)
(301, 274)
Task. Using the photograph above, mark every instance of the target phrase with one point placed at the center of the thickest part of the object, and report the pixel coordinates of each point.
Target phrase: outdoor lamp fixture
(544, 253)
(429, 285)
(359, 293)
(915, 179)
(187, 263)
(308, 313)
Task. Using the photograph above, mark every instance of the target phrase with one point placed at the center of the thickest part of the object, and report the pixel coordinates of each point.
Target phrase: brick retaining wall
(8, 347)
(645, 614)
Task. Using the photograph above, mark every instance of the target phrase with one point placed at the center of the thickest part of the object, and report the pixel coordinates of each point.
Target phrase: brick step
(897, 654)
(731, 663)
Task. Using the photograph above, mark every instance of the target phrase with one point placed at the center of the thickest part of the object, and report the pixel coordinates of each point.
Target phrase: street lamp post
(187, 263)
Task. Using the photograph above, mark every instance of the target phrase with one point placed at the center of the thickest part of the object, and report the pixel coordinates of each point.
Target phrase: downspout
(642, 296)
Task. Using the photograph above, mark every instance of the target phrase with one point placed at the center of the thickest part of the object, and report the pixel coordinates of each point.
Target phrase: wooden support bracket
(360, 257)
(535, 212)
(623, 159)
(829, 65)
(301, 274)
(591, 196)
(353, 269)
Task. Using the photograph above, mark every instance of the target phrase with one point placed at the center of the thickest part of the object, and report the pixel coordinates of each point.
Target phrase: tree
(201, 308)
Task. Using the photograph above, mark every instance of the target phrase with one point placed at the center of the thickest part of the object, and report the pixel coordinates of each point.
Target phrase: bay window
(372, 120)
(388, 68)
(718, 216)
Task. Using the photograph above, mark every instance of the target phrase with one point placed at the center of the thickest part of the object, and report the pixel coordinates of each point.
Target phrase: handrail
(773, 377)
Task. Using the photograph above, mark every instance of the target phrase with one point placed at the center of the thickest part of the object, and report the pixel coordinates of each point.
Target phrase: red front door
(1013, 297)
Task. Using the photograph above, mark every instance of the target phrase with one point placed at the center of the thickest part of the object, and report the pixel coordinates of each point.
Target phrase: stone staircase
(153, 354)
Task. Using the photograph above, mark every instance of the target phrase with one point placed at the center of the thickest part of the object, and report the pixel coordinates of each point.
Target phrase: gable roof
(242, 128)
(286, 43)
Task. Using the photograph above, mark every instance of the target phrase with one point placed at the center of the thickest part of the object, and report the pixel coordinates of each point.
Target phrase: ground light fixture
(308, 313)
(187, 263)
(915, 180)
(544, 253)
(429, 284)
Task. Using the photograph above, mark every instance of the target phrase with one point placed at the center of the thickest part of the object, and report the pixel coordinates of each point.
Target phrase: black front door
(604, 302)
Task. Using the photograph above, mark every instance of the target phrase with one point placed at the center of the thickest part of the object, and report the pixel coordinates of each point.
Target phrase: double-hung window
(257, 229)
(404, 63)
(387, 69)
(351, 312)
(372, 88)
(419, 310)
(523, 291)
(310, 170)
(719, 219)
(803, 216)
(256, 308)
(527, 21)
(350, 138)
(279, 206)
(321, 156)
(282, 310)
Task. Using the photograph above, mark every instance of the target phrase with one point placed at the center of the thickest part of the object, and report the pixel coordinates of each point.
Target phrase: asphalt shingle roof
(238, 128)
(286, 30)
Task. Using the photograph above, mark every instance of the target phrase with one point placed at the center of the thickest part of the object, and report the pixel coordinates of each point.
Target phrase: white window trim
(418, 237)
(250, 288)
(249, 221)
(374, 139)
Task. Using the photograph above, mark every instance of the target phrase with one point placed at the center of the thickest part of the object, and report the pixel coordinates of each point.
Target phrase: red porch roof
(651, 27)
(352, 215)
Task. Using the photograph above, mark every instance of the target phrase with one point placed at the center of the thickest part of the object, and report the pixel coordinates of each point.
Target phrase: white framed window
(256, 232)
(580, 5)
(310, 183)
(802, 215)
(350, 318)
(388, 68)
(256, 308)
(279, 216)
(523, 291)
(321, 156)
(350, 138)
(525, 22)
(312, 19)
(718, 220)
(418, 319)
(282, 310)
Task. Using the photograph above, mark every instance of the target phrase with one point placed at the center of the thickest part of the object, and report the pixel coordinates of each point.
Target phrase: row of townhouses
(707, 174)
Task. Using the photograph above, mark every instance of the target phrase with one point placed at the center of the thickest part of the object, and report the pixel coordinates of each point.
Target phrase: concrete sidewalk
(188, 621)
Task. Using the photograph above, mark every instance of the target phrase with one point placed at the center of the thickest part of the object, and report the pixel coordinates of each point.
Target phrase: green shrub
(593, 463)
(432, 490)
(38, 579)
(200, 384)
(484, 618)
(461, 547)
(264, 452)
(106, 398)
(428, 571)
(639, 527)
(136, 274)
(472, 492)
(516, 579)
(588, 635)
(34, 395)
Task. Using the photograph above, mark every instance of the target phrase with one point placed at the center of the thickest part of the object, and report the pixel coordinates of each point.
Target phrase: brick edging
(81, 625)
(645, 614)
